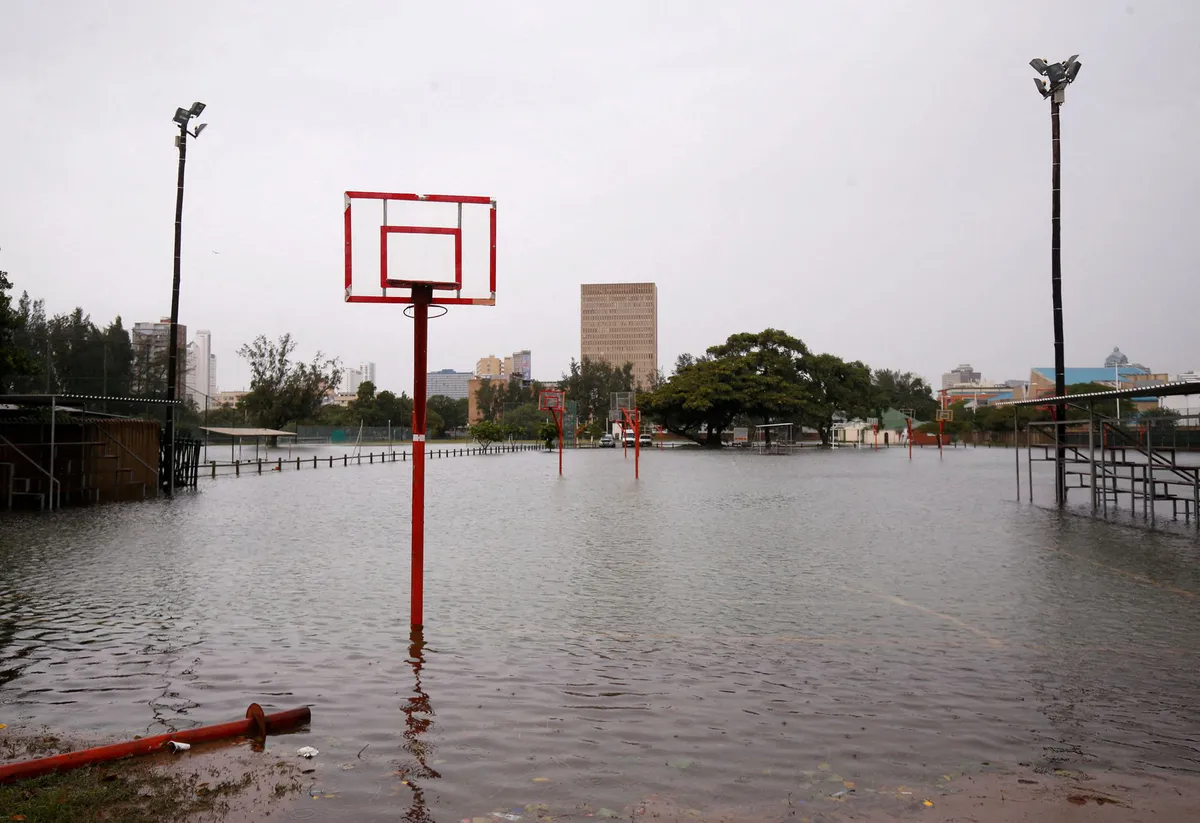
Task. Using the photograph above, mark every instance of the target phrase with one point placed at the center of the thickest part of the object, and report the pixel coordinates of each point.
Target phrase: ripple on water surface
(727, 629)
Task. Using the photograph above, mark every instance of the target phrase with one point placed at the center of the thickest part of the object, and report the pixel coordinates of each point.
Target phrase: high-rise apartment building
(962, 373)
(447, 383)
(367, 369)
(522, 364)
(353, 378)
(619, 324)
(490, 366)
(201, 380)
(150, 354)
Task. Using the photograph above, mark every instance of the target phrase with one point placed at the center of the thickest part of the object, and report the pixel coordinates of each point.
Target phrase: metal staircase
(1121, 465)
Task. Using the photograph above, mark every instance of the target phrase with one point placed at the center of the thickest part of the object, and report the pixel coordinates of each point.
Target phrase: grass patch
(136, 790)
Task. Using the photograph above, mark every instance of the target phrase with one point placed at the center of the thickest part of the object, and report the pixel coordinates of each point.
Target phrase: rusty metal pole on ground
(422, 297)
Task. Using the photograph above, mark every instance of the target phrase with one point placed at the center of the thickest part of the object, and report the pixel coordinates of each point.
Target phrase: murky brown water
(730, 630)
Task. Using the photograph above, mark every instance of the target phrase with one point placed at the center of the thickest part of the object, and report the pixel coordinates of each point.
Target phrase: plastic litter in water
(176, 746)
(307, 751)
(929, 803)
(505, 816)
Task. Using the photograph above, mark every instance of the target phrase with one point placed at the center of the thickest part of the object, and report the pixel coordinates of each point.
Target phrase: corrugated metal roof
(246, 432)
(1138, 393)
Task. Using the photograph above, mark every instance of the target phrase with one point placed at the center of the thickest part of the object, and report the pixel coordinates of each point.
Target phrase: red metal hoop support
(418, 303)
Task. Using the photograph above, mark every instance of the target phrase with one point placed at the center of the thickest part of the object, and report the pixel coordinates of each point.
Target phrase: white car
(647, 440)
(630, 440)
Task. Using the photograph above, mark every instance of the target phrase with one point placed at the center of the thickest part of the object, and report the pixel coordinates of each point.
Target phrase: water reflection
(418, 720)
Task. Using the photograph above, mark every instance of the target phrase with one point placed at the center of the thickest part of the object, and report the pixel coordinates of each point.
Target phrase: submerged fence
(215, 468)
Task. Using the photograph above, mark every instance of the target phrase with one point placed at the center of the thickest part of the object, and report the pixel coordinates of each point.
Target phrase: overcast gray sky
(872, 177)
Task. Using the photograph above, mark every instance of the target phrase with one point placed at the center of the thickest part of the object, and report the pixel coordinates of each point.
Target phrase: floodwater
(729, 630)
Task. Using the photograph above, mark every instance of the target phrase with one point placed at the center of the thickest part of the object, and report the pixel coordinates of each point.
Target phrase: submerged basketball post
(551, 400)
(418, 293)
(908, 418)
(942, 416)
(633, 419)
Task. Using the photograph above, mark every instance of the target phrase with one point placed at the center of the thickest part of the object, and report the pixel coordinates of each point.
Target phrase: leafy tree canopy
(283, 390)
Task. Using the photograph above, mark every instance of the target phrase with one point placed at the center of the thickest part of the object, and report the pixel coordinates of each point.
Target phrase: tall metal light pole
(182, 118)
(1054, 87)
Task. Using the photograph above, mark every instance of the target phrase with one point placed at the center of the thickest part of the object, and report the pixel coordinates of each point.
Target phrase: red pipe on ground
(255, 724)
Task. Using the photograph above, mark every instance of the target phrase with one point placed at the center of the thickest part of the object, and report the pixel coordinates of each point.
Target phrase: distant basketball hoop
(552, 400)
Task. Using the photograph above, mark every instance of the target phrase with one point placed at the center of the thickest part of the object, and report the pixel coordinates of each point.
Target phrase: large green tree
(15, 359)
(834, 387)
(903, 390)
(453, 412)
(766, 373)
(698, 401)
(489, 399)
(282, 390)
(591, 383)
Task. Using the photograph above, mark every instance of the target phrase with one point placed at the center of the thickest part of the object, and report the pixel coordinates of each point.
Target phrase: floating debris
(176, 746)
(307, 752)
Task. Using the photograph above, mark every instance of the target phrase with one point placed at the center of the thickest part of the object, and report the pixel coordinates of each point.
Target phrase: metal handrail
(53, 481)
(1151, 457)
(131, 454)
(1184, 473)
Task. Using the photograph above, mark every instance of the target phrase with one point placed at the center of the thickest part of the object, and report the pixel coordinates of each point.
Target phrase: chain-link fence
(352, 434)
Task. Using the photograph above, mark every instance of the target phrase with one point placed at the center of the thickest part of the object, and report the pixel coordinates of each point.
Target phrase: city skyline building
(618, 325)
(201, 369)
(962, 373)
(448, 383)
(150, 352)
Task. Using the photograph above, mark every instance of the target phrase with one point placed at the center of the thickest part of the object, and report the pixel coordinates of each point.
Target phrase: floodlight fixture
(198, 107)
(1058, 76)
(181, 117)
(199, 129)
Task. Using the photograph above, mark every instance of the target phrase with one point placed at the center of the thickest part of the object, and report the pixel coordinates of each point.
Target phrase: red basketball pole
(558, 418)
(637, 441)
(941, 423)
(422, 297)
(909, 421)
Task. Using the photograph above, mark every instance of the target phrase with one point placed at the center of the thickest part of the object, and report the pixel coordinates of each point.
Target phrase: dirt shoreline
(1009, 796)
(238, 781)
(223, 781)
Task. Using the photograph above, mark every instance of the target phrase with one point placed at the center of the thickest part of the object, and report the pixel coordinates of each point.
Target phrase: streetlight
(182, 118)
(1054, 87)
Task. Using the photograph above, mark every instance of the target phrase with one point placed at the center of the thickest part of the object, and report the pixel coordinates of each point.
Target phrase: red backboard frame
(550, 400)
(399, 283)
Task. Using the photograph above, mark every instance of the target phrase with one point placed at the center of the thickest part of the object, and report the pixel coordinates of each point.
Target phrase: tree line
(69, 354)
(763, 377)
(772, 377)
